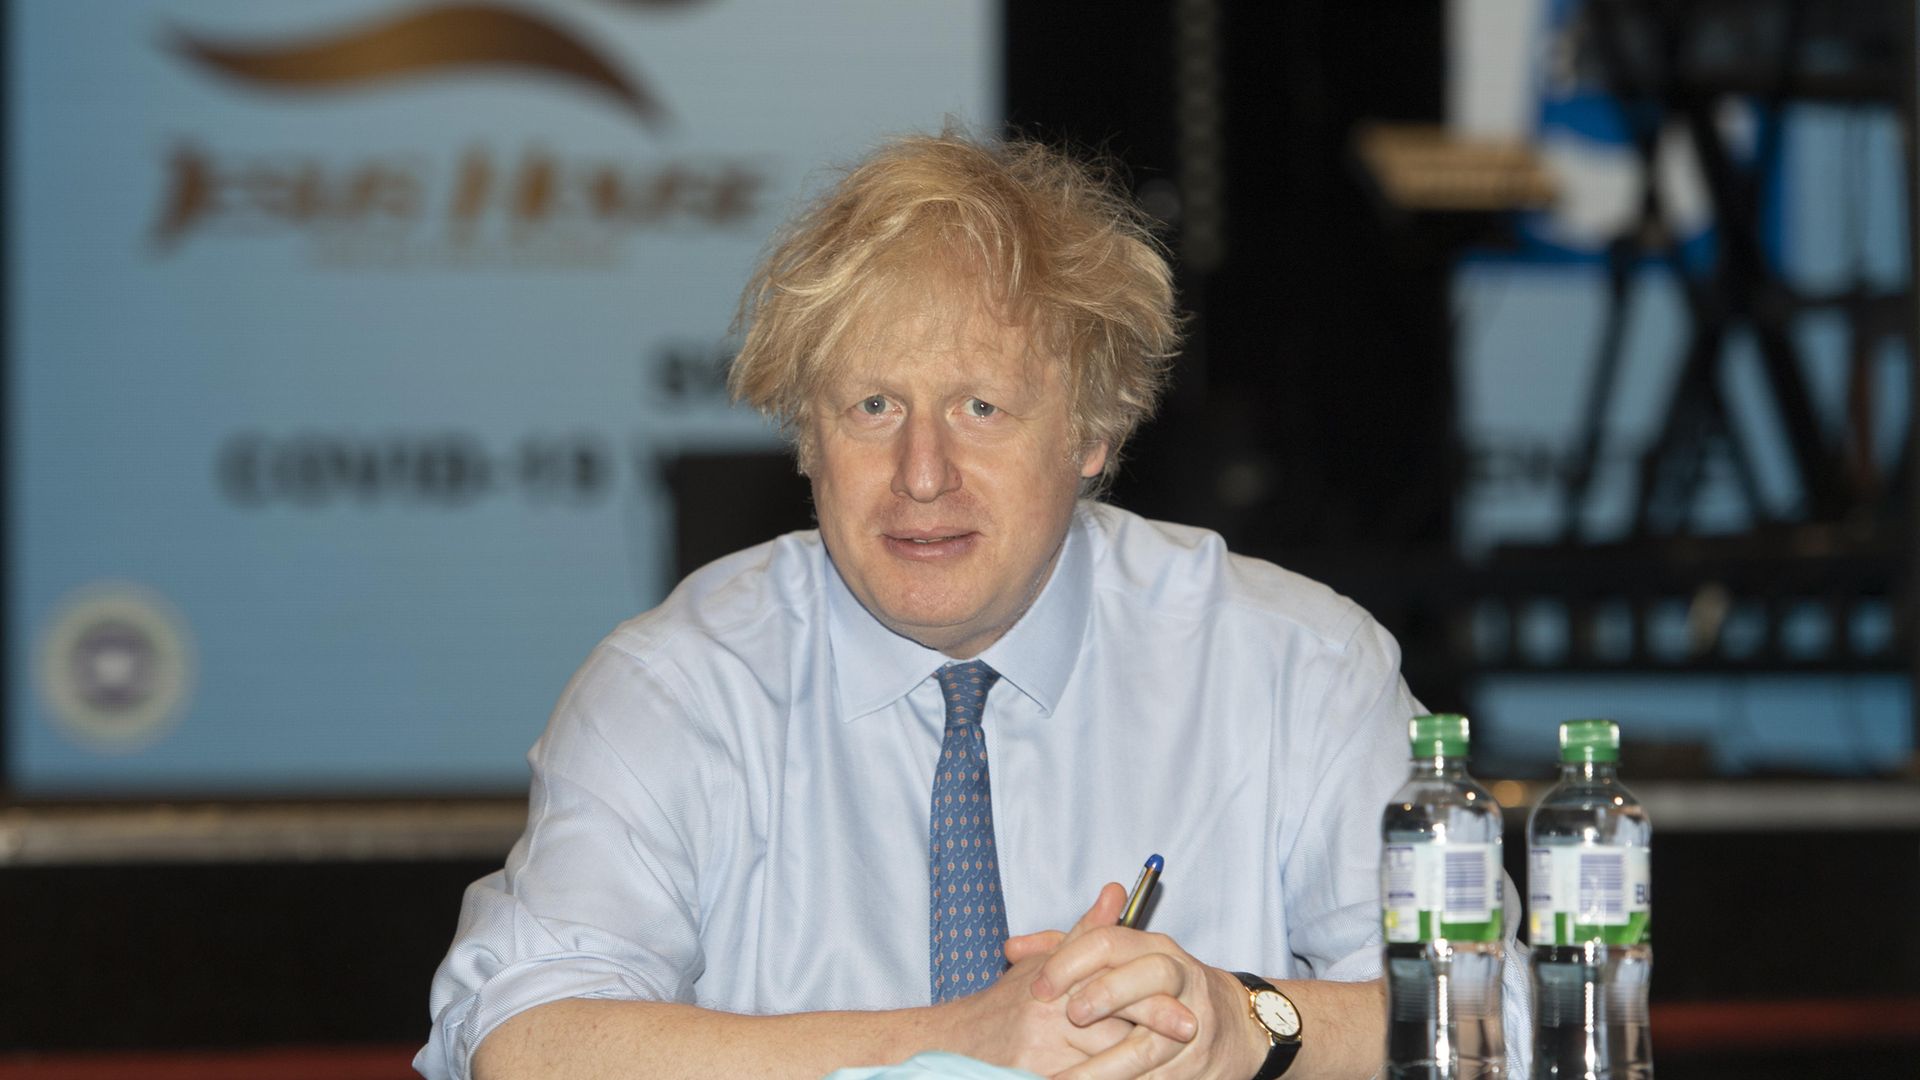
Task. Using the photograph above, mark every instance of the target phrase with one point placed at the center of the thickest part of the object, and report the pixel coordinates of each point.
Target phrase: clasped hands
(1103, 1002)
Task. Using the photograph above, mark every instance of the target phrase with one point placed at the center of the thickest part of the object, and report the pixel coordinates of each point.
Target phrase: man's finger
(1098, 1038)
(1019, 948)
(1086, 954)
(1146, 990)
(1139, 1053)
(1161, 1014)
(1105, 912)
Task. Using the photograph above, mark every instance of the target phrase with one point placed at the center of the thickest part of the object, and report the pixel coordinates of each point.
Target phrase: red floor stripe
(1771, 1025)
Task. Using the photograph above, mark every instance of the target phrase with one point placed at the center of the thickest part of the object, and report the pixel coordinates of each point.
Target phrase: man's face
(944, 475)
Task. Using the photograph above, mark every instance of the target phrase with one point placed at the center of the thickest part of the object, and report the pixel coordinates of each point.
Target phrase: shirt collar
(1038, 652)
(873, 667)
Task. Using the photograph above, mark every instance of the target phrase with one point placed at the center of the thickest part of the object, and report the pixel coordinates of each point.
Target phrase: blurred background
(364, 366)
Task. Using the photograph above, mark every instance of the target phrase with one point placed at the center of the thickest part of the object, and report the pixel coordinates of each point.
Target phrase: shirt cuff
(463, 1024)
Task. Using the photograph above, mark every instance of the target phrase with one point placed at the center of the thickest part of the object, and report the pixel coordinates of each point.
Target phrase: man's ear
(1093, 460)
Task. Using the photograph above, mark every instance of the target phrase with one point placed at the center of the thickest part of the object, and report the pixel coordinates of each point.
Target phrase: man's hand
(1009, 1023)
(1190, 1020)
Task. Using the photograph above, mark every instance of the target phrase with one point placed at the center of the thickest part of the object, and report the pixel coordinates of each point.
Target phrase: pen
(1137, 900)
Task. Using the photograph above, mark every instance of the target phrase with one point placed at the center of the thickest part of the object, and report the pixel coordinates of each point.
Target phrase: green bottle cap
(1439, 735)
(1589, 740)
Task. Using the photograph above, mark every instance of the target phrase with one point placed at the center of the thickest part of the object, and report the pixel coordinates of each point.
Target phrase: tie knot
(965, 686)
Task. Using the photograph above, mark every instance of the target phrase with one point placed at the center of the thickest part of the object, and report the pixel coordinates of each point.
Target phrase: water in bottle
(1589, 916)
(1441, 906)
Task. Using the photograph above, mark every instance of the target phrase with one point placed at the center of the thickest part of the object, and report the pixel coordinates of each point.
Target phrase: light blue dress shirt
(729, 805)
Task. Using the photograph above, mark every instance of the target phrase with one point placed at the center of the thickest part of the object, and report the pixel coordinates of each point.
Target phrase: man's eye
(979, 409)
(874, 405)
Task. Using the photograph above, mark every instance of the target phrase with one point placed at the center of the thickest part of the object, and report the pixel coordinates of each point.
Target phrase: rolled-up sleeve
(599, 897)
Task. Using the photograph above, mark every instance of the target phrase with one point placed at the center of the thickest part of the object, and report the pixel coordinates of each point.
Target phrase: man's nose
(926, 469)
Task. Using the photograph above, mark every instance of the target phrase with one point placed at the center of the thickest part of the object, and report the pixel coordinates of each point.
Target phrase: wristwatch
(1278, 1018)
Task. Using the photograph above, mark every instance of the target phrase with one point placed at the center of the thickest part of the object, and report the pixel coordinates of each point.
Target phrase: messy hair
(1048, 241)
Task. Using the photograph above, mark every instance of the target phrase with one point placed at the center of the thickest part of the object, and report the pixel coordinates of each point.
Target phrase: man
(743, 855)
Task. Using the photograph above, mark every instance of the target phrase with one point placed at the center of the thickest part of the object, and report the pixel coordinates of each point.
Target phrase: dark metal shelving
(1801, 599)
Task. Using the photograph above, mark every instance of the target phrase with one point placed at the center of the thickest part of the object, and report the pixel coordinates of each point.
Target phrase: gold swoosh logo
(446, 39)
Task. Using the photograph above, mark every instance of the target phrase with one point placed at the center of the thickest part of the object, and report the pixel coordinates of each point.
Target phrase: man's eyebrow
(852, 383)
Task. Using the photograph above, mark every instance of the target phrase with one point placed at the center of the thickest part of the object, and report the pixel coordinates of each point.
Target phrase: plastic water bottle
(1589, 916)
(1441, 893)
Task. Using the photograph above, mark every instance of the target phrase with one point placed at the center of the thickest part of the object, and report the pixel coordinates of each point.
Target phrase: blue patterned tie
(968, 924)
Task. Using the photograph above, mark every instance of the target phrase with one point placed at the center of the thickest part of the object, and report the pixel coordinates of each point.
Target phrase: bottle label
(1577, 893)
(1436, 890)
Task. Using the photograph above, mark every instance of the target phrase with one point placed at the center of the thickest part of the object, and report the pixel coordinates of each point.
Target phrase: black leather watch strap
(1281, 1052)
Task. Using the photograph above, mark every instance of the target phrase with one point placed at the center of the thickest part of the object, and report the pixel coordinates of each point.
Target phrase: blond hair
(1050, 241)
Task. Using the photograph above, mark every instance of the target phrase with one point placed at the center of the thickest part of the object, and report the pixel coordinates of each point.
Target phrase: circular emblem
(116, 666)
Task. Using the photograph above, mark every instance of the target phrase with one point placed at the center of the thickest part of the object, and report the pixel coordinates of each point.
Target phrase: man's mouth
(930, 545)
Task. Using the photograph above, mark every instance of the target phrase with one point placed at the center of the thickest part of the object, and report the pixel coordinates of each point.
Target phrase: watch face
(1277, 1013)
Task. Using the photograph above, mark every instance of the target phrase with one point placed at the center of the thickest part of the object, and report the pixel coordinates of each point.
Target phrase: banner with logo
(346, 342)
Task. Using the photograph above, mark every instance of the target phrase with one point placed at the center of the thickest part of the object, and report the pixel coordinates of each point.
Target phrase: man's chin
(952, 633)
